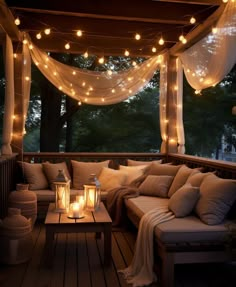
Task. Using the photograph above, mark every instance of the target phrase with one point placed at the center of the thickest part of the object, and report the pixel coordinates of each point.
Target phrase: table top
(99, 216)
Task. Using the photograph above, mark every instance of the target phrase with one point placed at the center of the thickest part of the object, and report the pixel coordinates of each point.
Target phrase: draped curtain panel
(211, 59)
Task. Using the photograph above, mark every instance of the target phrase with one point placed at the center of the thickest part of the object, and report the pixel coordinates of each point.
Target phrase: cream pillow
(111, 178)
(132, 172)
(197, 178)
(34, 175)
(183, 201)
(82, 171)
(51, 171)
(180, 178)
(131, 162)
(217, 195)
(156, 185)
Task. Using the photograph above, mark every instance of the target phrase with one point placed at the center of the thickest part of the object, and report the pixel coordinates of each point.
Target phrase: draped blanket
(140, 272)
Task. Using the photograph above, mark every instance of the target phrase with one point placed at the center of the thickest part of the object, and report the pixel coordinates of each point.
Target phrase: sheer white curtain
(9, 98)
(91, 87)
(211, 59)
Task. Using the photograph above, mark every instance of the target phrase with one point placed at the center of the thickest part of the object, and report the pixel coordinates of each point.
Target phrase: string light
(67, 46)
(79, 33)
(39, 36)
(192, 20)
(79, 103)
(15, 55)
(161, 41)
(47, 31)
(137, 37)
(109, 72)
(17, 21)
(101, 60)
(86, 54)
(126, 53)
(214, 30)
(154, 49)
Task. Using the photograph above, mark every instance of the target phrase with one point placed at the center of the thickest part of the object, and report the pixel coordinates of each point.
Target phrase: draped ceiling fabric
(207, 62)
(91, 87)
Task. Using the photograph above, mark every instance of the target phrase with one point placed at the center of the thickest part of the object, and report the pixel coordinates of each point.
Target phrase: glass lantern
(62, 190)
(92, 193)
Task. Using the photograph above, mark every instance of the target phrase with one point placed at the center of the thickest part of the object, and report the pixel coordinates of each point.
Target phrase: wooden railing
(7, 181)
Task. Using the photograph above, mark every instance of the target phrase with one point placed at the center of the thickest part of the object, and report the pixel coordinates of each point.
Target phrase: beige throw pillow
(111, 178)
(131, 162)
(183, 201)
(34, 175)
(51, 171)
(163, 169)
(82, 171)
(156, 185)
(133, 172)
(180, 178)
(197, 178)
(217, 195)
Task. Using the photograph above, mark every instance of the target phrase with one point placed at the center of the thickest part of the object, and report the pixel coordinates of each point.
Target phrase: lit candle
(76, 210)
(80, 200)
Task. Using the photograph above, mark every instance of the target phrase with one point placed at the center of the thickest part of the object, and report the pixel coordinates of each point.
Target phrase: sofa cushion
(34, 175)
(197, 178)
(110, 178)
(51, 171)
(180, 178)
(217, 195)
(131, 162)
(183, 201)
(156, 185)
(82, 171)
(133, 172)
(163, 169)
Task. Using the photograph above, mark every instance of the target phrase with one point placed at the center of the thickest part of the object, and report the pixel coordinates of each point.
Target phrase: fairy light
(103, 100)
(126, 53)
(154, 49)
(54, 73)
(79, 103)
(15, 55)
(101, 60)
(86, 54)
(74, 73)
(214, 30)
(197, 92)
(137, 36)
(60, 88)
(83, 84)
(27, 78)
(134, 63)
(161, 41)
(67, 46)
(25, 42)
(113, 91)
(192, 20)
(47, 31)
(13, 117)
(184, 40)
(38, 36)
(31, 47)
(17, 21)
(79, 33)
(109, 72)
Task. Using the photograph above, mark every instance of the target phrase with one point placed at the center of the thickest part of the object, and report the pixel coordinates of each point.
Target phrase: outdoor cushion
(34, 175)
(83, 170)
(110, 178)
(163, 169)
(197, 178)
(180, 178)
(217, 195)
(156, 185)
(131, 162)
(184, 200)
(133, 172)
(51, 171)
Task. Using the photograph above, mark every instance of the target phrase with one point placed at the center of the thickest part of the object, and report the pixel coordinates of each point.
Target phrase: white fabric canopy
(92, 87)
(207, 62)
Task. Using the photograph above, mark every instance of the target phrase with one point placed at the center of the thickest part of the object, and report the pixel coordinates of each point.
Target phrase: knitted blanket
(140, 272)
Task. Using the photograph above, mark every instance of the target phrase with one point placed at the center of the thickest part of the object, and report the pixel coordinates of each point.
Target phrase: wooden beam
(198, 2)
(7, 22)
(197, 34)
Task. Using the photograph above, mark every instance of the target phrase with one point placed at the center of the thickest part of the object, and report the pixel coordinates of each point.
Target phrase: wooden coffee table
(98, 221)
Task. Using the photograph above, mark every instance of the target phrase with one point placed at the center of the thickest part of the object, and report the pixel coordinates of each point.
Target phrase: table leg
(107, 244)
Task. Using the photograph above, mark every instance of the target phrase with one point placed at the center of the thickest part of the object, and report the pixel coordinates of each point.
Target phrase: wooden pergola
(108, 28)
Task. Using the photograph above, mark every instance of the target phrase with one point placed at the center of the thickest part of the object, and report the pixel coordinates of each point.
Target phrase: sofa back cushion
(183, 201)
(111, 178)
(82, 171)
(133, 172)
(180, 178)
(156, 185)
(217, 195)
(196, 179)
(131, 162)
(163, 169)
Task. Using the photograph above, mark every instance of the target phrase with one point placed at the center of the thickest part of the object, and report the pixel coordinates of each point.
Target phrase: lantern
(92, 193)
(62, 190)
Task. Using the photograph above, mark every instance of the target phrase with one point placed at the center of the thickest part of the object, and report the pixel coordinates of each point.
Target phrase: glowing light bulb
(25, 41)
(17, 21)
(184, 40)
(109, 72)
(74, 72)
(134, 63)
(86, 54)
(31, 47)
(79, 33)
(192, 20)
(79, 103)
(101, 60)
(214, 30)
(39, 36)
(225, 1)
(113, 91)
(154, 49)
(126, 53)
(15, 55)
(161, 41)
(67, 46)
(27, 78)
(103, 100)
(137, 36)
(181, 37)
(47, 31)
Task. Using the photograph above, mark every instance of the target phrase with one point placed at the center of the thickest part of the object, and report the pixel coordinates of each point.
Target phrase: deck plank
(71, 261)
(83, 274)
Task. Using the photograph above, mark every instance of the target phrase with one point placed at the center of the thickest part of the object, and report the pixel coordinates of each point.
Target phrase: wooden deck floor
(78, 262)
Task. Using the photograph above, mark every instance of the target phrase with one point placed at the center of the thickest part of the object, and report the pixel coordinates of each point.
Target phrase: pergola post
(171, 106)
(18, 125)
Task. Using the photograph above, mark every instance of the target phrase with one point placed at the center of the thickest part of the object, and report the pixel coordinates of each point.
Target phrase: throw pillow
(131, 162)
(82, 171)
(180, 178)
(111, 178)
(156, 185)
(163, 169)
(197, 178)
(217, 195)
(51, 171)
(183, 201)
(34, 175)
(133, 172)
